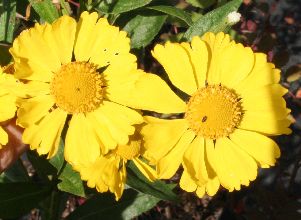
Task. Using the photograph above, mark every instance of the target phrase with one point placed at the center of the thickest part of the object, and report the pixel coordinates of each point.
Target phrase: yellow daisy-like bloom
(235, 102)
(9, 90)
(82, 74)
(109, 172)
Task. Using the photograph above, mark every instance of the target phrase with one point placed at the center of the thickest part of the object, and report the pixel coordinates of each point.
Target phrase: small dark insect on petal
(204, 119)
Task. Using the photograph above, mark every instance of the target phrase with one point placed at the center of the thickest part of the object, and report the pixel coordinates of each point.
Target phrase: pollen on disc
(77, 87)
(214, 112)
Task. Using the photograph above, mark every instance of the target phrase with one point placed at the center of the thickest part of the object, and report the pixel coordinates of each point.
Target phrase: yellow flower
(82, 75)
(9, 90)
(234, 102)
(108, 172)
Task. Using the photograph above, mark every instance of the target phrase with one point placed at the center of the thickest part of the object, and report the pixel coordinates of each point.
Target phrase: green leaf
(201, 3)
(172, 11)
(104, 206)
(5, 56)
(45, 9)
(159, 189)
(58, 160)
(18, 198)
(66, 9)
(7, 20)
(143, 28)
(42, 166)
(214, 21)
(121, 6)
(17, 172)
(71, 181)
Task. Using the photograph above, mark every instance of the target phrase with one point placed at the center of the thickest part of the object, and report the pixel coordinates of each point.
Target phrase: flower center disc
(129, 151)
(77, 87)
(214, 112)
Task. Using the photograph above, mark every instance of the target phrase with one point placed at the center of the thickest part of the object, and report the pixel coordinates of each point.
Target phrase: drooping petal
(169, 164)
(145, 91)
(263, 149)
(106, 140)
(145, 169)
(160, 136)
(194, 160)
(176, 62)
(119, 120)
(92, 173)
(199, 167)
(40, 137)
(212, 186)
(81, 146)
(236, 168)
(187, 183)
(33, 109)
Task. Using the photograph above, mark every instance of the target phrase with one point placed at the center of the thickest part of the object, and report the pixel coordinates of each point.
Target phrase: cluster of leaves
(35, 182)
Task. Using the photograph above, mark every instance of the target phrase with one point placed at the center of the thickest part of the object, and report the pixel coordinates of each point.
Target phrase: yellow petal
(254, 121)
(63, 31)
(198, 54)
(34, 58)
(35, 88)
(107, 142)
(45, 136)
(160, 136)
(169, 164)
(3, 137)
(187, 183)
(33, 109)
(8, 107)
(262, 74)
(105, 174)
(194, 160)
(269, 110)
(119, 120)
(233, 166)
(275, 105)
(145, 169)
(92, 173)
(145, 91)
(98, 41)
(121, 182)
(234, 64)
(268, 92)
(261, 148)
(216, 44)
(81, 145)
(9, 85)
(176, 62)
(212, 186)
(200, 191)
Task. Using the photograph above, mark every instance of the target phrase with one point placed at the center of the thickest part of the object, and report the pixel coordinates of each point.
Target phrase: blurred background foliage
(35, 188)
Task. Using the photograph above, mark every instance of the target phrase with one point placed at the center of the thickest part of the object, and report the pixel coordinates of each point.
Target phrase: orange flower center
(214, 112)
(77, 87)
